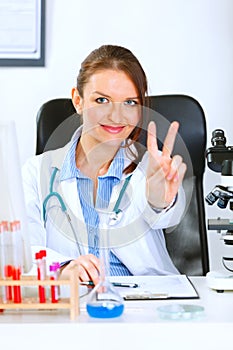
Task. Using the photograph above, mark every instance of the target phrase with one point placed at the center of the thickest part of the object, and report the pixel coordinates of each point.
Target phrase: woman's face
(110, 107)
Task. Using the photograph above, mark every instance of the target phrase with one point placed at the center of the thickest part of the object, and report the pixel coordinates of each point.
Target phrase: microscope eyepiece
(218, 138)
(219, 155)
(222, 202)
(220, 193)
(211, 198)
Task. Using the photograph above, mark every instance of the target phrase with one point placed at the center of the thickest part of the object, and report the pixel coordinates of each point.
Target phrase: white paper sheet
(156, 287)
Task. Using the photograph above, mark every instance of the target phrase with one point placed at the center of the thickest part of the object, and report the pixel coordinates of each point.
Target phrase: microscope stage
(220, 224)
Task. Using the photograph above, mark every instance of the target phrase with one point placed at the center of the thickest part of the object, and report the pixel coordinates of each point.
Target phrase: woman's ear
(77, 100)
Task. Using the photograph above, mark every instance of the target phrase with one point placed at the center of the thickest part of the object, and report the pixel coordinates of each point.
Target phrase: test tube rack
(71, 303)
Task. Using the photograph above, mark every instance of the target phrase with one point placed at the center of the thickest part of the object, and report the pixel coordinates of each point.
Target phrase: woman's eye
(131, 102)
(102, 100)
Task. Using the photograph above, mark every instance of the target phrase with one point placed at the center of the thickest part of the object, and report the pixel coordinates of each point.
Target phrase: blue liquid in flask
(104, 301)
(108, 310)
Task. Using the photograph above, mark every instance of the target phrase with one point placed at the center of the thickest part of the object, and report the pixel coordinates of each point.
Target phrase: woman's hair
(116, 58)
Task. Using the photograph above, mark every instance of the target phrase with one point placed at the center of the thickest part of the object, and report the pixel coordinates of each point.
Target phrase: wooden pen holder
(71, 303)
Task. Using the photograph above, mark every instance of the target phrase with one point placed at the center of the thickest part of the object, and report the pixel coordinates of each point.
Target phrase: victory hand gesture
(164, 173)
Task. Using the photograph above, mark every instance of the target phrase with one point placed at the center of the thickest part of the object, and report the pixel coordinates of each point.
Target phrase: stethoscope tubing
(117, 212)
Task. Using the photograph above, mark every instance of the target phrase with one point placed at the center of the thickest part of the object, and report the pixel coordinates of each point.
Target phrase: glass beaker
(104, 301)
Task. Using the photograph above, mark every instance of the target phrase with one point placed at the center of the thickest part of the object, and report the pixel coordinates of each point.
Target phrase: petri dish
(180, 311)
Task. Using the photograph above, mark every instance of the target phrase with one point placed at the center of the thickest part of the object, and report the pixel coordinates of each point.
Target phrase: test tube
(17, 258)
(43, 255)
(2, 264)
(54, 273)
(41, 274)
(7, 258)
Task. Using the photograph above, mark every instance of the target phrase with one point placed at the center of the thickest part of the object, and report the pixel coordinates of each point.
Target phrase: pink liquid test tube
(54, 273)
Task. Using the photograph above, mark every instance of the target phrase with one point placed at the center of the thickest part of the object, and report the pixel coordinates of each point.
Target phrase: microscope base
(220, 281)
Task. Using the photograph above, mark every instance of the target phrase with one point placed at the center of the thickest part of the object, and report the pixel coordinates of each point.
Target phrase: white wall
(185, 46)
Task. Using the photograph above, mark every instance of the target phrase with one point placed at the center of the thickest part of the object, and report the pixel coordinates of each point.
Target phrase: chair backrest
(50, 118)
(187, 243)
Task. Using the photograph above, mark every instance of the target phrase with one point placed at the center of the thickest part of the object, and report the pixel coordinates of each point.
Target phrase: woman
(102, 158)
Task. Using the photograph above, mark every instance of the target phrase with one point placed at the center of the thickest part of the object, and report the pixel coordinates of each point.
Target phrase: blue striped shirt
(85, 192)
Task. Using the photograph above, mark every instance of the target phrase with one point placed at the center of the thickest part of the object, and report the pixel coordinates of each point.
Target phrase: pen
(116, 284)
(128, 285)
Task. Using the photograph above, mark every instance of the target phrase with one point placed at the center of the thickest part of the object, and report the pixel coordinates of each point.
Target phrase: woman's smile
(113, 129)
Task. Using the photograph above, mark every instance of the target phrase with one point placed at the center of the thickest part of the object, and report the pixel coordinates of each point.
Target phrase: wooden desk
(138, 328)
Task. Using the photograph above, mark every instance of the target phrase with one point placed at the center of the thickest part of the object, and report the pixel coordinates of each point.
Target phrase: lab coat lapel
(68, 188)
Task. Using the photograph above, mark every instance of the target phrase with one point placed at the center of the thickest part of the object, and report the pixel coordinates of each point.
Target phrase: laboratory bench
(139, 327)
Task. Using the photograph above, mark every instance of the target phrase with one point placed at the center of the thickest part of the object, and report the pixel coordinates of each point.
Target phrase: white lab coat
(137, 239)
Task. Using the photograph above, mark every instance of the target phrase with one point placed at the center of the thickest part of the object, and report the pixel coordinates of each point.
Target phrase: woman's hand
(88, 268)
(164, 174)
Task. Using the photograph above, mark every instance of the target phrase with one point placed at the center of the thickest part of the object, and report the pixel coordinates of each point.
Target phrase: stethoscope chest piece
(115, 217)
(117, 213)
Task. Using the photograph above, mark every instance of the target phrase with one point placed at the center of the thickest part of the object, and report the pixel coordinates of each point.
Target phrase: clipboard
(157, 287)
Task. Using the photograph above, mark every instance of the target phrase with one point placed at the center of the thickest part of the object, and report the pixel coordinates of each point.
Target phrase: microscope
(220, 159)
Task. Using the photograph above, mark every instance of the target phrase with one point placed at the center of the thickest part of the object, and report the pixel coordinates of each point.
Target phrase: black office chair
(187, 243)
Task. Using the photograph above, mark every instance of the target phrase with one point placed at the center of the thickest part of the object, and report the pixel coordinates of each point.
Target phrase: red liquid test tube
(8, 270)
(16, 274)
(40, 276)
(17, 259)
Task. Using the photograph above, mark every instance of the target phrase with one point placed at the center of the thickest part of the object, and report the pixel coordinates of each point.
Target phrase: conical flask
(104, 301)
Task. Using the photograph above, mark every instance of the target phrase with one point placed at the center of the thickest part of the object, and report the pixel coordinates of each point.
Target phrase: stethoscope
(116, 212)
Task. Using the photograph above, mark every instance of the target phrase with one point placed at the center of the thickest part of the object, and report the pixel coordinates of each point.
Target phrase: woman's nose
(116, 112)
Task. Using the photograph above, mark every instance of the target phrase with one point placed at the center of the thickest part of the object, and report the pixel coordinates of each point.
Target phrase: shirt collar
(68, 169)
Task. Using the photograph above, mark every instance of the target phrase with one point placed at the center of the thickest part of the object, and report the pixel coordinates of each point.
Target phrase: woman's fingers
(169, 141)
(88, 268)
(170, 138)
(152, 145)
(161, 161)
(175, 164)
(165, 172)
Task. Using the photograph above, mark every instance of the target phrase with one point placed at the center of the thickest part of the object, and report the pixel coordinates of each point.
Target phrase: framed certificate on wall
(22, 33)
